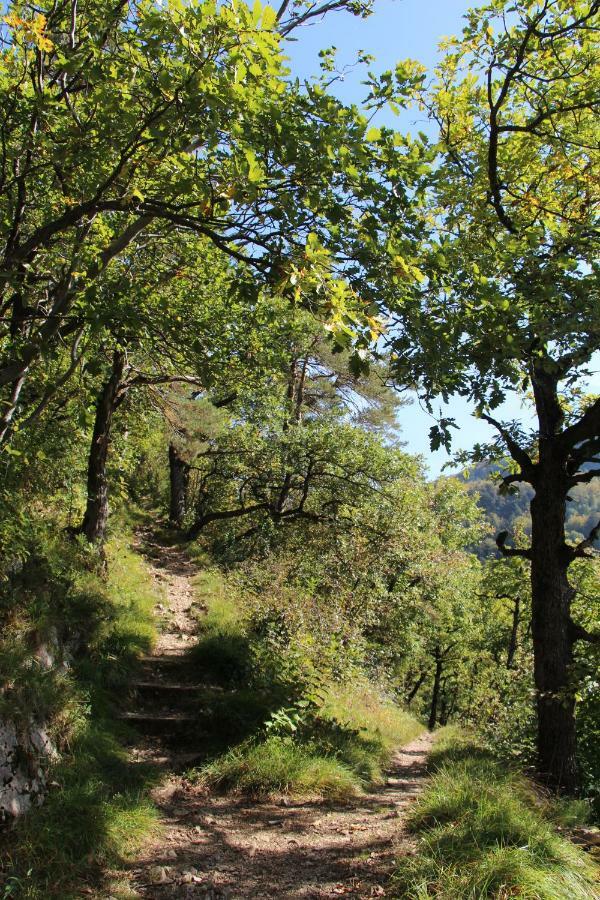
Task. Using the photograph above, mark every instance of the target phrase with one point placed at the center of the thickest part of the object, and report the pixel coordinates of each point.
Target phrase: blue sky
(398, 29)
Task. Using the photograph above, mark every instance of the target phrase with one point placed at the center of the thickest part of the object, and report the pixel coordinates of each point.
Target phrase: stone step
(171, 687)
(173, 668)
(158, 723)
(167, 661)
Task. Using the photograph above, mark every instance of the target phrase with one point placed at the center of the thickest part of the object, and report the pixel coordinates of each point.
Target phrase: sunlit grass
(337, 747)
(483, 833)
(363, 706)
(278, 765)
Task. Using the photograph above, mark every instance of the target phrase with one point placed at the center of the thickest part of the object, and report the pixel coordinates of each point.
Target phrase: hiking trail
(215, 847)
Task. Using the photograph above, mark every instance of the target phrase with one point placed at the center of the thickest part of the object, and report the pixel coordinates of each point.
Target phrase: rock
(171, 854)
(158, 874)
(24, 756)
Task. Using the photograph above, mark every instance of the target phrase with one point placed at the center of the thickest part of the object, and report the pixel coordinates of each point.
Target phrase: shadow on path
(224, 848)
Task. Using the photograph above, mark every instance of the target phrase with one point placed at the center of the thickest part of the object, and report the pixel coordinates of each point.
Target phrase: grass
(365, 707)
(222, 653)
(97, 813)
(127, 627)
(272, 739)
(483, 832)
(279, 765)
(98, 810)
(333, 752)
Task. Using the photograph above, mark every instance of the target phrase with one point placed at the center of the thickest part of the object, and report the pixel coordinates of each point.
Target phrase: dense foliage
(216, 283)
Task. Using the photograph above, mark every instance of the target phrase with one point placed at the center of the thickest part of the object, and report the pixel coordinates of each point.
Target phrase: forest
(250, 646)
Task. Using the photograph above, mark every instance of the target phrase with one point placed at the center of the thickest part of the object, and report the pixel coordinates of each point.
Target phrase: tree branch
(578, 633)
(221, 515)
(584, 477)
(518, 454)
(510, 551)
(586, 429)
(587, 543)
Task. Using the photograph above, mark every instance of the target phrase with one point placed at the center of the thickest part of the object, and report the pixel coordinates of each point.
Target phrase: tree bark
(179, 472)
(551, 599)
(552, 643)
(415, 688)
(448, 693)
(96, 512)
(435, 696)
(514, 633)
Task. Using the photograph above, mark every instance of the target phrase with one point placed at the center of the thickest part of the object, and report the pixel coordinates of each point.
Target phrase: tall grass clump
(279, 765)
(483, 832)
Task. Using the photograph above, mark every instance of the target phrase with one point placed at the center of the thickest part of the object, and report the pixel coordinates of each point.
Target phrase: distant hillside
(505, 511)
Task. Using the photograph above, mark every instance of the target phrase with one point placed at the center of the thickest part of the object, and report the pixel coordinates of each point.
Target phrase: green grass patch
(126, 627)
(277, 727)
(278, 765)
(364, 707)
(97, 813)
(484, 832)
(98, 810)
(223, 651)
(334, 751)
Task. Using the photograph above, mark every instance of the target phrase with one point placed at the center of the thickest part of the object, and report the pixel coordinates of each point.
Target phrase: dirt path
(214, 847)
(172, 570)
(223, 848)
(161, 699)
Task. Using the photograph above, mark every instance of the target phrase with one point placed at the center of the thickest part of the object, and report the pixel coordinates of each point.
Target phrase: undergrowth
(291, 727)
(97, 811)
(484, 832)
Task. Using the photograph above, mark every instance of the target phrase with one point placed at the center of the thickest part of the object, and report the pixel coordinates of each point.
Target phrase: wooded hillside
(508, 511)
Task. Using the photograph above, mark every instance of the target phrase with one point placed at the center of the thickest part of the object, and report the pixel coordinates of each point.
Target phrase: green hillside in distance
(507, 511)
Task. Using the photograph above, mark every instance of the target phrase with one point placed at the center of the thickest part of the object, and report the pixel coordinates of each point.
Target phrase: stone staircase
(171, 714)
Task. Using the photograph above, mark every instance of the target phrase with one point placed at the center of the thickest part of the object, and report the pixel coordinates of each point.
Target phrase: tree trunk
(444, 702)
(514, 633)
(179, 471)
(551, 596)
(96, 512)
(435, 696)
(415, 688)
(451, 707)
(552, 642)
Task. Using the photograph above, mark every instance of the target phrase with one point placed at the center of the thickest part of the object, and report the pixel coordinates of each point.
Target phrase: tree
(125, 124)
(300, 441)
(151, 296)
(510, 301)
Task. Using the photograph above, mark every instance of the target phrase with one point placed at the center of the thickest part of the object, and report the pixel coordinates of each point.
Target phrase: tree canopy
(220, 284)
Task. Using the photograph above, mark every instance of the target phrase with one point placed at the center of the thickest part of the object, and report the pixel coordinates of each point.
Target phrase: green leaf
(269, 17)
